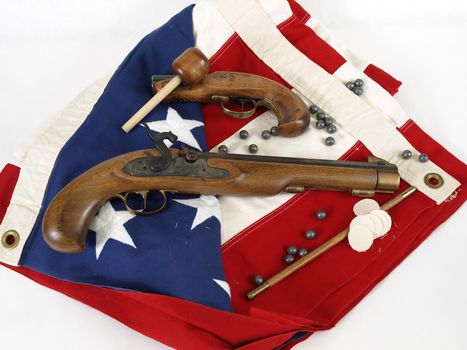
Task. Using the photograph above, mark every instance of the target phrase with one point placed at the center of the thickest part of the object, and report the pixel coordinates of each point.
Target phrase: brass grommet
(433, 180)
(10, 239)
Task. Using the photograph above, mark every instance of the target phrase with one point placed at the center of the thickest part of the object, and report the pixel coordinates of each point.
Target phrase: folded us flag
(188, 268)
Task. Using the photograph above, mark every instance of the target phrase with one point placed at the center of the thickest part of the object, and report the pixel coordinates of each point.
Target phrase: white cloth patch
(385, 218)
(369, 219)
(360, 238)
(365, 206)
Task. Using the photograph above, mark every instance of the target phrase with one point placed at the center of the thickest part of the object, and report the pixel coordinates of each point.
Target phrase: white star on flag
(206, 207)
(224, 285)
(179, 126)
(108, 224)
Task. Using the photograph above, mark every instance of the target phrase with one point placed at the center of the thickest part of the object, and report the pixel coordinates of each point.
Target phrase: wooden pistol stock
(222, 87)
(71, 212)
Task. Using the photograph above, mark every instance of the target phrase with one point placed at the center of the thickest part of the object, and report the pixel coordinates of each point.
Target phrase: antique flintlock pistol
(224, 87)
(163, 170)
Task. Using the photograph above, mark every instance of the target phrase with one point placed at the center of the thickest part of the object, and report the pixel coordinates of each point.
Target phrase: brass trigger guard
(144, 194)
(235, 114)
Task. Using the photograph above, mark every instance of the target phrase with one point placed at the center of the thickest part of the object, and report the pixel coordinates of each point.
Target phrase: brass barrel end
(388, 181)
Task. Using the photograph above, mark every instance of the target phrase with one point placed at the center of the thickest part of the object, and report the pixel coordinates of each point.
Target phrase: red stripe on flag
(332, 284)
(196, 326)
(385, 80)
(299, 11)
(8, 179)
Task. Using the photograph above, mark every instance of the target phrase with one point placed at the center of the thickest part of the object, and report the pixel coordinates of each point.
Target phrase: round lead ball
(292, 250)
(258, 280)
(329, 141)
(423, 158)
(320, 124)
(274, 131)
(223, 149)
(358, 91)
(243, 134)
(302, 252)
(320, 115)
(266, 134)
(320, 215)
(331, 129)
(358, 83)
(407, 154)
(310, 234)
(253, 148)
(288, 259)
(350, 85)
(314, 109)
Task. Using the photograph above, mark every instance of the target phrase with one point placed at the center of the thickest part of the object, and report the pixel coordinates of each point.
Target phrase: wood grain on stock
(292, 113)
(69, 216)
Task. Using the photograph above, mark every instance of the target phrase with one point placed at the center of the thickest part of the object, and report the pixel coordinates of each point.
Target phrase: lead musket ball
(314, 109)
(274, 131)
(253, 148)
(350, 85)
(223, 149)
(302, 252)
(266, 134)
(320, 115)
(320, 215)
(407, 154)
(288, 259)
(310, 234)
(258, 280)
(292, 250)
(358, 91)
(423, 158)
(358, 83)
(244, 134)
(329, 141)
(320, 124)
(328, 121)
(331, 129)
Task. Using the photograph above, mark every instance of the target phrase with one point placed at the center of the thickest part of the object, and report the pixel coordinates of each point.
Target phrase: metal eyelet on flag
(433, 180)
(10, 239)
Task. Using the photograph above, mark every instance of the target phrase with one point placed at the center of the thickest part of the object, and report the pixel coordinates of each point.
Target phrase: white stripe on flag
(362, 120)
(36, 159)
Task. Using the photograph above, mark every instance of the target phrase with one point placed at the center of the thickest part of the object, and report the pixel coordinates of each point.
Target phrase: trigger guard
(234, 114)
(144, 195)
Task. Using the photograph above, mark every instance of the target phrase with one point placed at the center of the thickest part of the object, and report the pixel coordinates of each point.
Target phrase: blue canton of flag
(175, 252)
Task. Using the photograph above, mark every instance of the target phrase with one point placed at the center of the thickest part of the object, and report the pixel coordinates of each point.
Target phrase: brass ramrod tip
(258, 290)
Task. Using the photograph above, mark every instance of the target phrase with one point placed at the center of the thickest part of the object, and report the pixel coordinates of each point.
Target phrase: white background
(50, 50)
